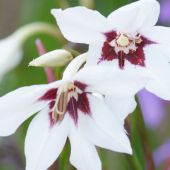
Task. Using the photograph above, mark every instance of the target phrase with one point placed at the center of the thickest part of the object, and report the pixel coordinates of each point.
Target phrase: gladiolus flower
(73, 107)
(126, 39)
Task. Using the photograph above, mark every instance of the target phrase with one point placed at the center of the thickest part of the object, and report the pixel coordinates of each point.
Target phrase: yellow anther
(62, 98)
(123, 40)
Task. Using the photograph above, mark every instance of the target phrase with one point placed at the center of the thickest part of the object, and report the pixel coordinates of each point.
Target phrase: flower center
(69, 97)
(124, 46)
(125, 43)
(122, 40)
(64, 93)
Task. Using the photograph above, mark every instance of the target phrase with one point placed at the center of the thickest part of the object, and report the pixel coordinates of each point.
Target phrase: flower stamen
(123, 40)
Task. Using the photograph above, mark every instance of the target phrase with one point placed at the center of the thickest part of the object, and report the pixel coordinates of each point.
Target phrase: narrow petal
(121, 106)
(112, 81)
(104, 128)
(17, 106)
(158, 34)
(83, 154)
(81, 25)
(141, 14)
(157, 64)
(43, 144)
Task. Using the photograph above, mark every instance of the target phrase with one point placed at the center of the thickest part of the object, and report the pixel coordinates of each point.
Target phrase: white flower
(126, 39)
(72, 107)
(11, 46)
(10, 54)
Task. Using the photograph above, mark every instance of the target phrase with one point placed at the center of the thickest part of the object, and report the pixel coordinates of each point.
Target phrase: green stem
(28, 30)
(134, 162)
(145, 142)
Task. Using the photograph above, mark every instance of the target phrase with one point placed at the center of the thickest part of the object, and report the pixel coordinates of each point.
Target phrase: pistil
(62, 98)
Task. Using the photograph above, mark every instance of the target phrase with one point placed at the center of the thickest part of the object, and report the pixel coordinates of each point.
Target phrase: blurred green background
(15, 13)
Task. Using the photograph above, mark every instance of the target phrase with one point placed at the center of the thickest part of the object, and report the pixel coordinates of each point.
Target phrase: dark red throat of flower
(68, 98)
(122, 47)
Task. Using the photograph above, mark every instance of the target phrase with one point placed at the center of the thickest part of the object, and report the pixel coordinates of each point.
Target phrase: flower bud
(56, 58)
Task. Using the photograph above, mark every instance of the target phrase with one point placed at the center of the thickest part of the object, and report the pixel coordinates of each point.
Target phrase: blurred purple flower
(165, 11)
(162, 154)
(153, 108)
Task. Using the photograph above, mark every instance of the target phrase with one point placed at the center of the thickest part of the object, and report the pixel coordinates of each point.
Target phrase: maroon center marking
(74, 104)
(49, 95)
(135, 57)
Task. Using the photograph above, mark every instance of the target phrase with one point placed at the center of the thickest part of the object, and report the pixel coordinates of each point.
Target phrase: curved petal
(9, 57)
(83, 154)
(157, 64)
(94, 53)
(43, 143)
(104, 128)
(17, 106)
(141, 14)
(80, 24)
(112, 81)
(158, 34)
(121, 106)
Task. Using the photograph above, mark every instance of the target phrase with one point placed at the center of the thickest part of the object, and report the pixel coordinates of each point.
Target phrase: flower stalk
(38, 27)
(48, 71)
(149, 162)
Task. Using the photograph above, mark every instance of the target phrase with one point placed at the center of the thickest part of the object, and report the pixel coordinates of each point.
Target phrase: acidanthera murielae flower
(11, 46)
(72, 107)
(126, 39)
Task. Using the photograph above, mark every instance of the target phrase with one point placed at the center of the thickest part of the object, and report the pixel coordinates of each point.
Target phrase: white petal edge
(43, 143)
(19, 105)
(81, 25)
(157, 64)
(122, 107)
(141, 14)
(94, 53)
(83, 153)
(158, 34)
(109, 130)
(111, 81)
(10, 58)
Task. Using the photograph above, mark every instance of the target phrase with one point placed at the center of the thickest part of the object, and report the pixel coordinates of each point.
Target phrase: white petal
(158, 34)
(121, 106)
(17, 106)
(135, 16)
(11, 54)
(94, 53)
(104, 128)
(44, 143)
(81, 25)
(111, 81)
(83, 154)
(157, 64)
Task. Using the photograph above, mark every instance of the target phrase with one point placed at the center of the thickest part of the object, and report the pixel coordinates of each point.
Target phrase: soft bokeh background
(15, 13)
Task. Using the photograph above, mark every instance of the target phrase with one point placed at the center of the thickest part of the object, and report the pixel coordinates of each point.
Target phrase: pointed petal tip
(55, 11)
(129, 151)
(32, 63)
